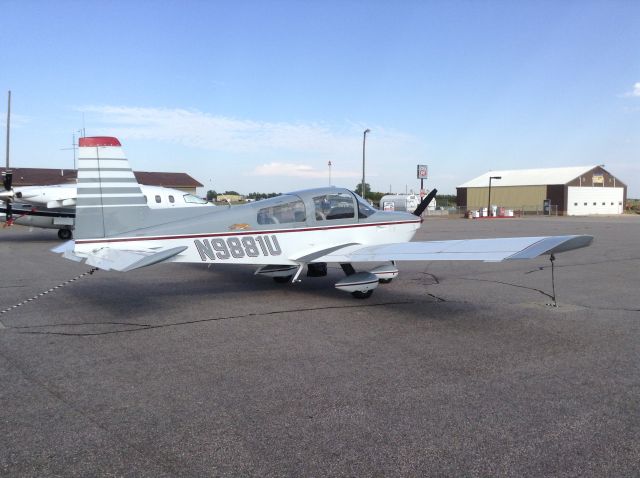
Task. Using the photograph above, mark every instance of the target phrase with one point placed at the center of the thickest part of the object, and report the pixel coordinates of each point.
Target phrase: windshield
(364, 208)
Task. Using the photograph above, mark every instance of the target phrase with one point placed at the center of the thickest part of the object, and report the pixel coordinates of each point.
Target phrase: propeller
(7, 195)
(425, 202)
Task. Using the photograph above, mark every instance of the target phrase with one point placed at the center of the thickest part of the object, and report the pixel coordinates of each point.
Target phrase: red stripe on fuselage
(239, 233)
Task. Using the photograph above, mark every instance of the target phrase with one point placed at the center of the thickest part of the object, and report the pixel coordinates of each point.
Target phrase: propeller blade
(425, 202)
(7, 179)
(8, 215)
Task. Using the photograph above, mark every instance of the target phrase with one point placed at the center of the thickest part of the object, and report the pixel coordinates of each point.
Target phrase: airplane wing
(487, 250)
(118, 259)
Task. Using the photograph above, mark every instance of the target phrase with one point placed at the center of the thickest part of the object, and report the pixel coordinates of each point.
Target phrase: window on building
(171, 199)
(595, 204)
(604, 203)
(334, 206)
(585, 204)
(158, 198)
(575, 203)
(288, 212)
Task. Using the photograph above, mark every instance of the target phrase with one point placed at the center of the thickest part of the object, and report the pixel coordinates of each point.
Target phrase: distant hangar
(572, 191)
(48, 176)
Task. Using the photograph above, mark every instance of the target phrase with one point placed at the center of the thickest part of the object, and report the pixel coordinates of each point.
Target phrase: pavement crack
(433, 276)
(606, 261)
(509, 283)
(191, 322)
(438, 299)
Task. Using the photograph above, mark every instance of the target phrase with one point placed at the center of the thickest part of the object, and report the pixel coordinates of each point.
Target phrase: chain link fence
(511, 211)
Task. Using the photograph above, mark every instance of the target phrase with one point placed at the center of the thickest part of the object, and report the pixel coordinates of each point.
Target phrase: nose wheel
(362, 295)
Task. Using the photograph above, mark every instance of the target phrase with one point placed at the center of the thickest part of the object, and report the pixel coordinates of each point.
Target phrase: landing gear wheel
(282, 279)
(385, 281)
(64, 234)
(358, 294)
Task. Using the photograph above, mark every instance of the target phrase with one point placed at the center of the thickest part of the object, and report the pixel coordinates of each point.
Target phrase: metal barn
(573, 191)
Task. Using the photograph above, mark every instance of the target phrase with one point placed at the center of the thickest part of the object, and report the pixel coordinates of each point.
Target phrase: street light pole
(364, 140)
(489, 203)
(8, 125)
(329, 173)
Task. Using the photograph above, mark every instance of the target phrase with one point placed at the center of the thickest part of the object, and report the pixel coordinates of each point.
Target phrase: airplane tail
(110, 201)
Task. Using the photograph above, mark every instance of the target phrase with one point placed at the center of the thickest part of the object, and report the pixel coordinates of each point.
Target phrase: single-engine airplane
(53, 207)
(116, 230)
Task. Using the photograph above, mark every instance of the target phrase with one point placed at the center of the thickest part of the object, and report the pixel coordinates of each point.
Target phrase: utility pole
(364, 141)
(489, 201)
(8, 125)
(74, 147)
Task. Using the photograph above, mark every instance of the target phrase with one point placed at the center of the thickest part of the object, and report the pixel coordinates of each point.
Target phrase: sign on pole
(422, 171)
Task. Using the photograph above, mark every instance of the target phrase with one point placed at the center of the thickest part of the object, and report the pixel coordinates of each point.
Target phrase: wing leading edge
(487, 250)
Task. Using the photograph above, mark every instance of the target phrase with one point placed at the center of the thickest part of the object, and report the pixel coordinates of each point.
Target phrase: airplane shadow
(117, 303)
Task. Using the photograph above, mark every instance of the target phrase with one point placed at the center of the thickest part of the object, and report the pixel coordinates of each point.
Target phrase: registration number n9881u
(237, 247)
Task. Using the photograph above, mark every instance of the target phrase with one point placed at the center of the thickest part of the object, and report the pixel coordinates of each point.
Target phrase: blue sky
(259, 96)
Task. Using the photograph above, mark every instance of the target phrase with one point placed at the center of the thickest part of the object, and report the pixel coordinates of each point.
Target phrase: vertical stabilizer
(110, 201)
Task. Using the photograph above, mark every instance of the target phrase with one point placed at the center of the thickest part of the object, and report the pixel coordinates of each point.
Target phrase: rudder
(109, 200)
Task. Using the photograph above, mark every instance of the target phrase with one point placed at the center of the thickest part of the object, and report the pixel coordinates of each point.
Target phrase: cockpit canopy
(323, 204)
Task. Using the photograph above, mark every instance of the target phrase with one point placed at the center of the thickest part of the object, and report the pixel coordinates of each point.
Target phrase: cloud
(17, 121)
(287, 153)
(635, 92)
(299, 171)
(201, 130)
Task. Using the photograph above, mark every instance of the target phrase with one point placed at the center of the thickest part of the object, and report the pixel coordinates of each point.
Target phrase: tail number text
(237, 247)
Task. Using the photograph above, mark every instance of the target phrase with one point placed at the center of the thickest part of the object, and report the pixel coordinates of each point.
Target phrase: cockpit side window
(192, 199)
(334, 206)
(289, 212)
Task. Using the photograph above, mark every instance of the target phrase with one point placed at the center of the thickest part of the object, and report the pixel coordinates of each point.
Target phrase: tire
(64, 234)
(282, 279)
(385, 281)
(358, 294)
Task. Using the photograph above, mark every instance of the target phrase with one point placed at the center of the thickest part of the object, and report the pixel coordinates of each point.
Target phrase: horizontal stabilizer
(488, 250)
(121, 260)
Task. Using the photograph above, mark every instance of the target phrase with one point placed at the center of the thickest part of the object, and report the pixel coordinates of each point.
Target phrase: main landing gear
(65, 234)
(359, 284)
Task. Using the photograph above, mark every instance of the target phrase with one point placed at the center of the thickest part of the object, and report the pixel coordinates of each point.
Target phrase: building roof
(46, 176)
(528, 177)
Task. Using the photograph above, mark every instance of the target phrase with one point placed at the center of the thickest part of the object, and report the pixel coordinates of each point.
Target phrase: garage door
(583, 201)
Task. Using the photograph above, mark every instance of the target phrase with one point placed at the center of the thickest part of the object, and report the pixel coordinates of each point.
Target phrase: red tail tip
(99, 141)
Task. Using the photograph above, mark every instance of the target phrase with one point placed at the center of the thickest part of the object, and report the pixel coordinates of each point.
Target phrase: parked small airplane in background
(53, 207)
(117, 230)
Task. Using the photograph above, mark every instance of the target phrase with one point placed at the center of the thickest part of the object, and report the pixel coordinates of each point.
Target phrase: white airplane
(53, 207)
(117, 230)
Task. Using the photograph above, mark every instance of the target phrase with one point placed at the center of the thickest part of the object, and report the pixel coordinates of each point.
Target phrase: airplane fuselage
(290, 229)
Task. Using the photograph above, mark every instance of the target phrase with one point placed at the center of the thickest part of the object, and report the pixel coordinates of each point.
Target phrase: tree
(232, 193)
(257, 196)
(446, 200)
(211, 194)
(367, 190)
